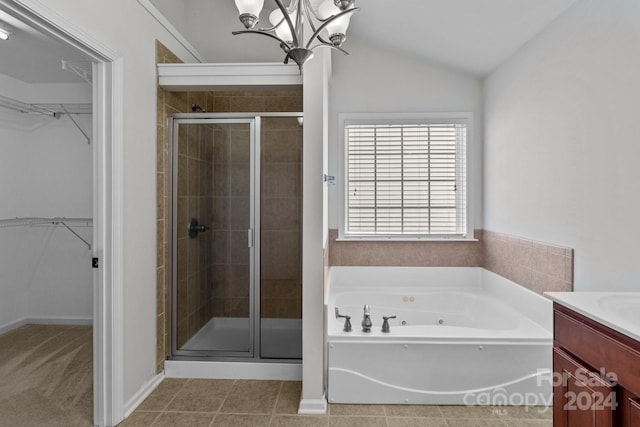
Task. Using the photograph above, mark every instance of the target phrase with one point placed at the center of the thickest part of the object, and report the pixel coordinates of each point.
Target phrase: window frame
(346, 119)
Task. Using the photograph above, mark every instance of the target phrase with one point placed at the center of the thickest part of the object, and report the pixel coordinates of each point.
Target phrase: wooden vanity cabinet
(596, 373)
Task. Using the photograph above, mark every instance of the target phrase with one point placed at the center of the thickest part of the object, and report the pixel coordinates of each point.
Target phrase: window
(405, 178)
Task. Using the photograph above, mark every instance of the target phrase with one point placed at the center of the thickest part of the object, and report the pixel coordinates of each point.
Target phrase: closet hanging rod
(25, 108)
(35, 221)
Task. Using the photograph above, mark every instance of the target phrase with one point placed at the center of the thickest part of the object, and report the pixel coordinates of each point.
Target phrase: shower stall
(236, 280)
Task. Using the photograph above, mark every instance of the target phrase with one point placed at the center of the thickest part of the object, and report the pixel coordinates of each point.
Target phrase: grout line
(235, 382)
(174, 396)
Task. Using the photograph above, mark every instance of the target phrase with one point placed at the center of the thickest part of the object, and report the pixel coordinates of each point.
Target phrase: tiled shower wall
(538, 266)
(195, 260)
(281, 213)
(170, 103)
(230, 206)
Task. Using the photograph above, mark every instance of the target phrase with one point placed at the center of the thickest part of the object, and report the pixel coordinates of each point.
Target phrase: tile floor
(247, 403)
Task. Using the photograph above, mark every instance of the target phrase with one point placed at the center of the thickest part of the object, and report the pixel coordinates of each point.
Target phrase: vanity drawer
(598, 350)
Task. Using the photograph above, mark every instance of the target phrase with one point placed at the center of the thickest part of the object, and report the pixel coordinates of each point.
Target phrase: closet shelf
(65, 222)
(50, 110)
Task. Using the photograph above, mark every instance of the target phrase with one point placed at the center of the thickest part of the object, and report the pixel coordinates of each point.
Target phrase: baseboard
(233, 370)
(313, 406)
(13, 325)
(86, 321)
(45, 321)
(142, 394)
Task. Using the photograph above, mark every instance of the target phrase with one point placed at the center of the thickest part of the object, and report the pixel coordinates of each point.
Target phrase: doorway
(236, 236)
(106, 161)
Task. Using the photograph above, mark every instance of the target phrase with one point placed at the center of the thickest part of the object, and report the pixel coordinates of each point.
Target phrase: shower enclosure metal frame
(253, 233)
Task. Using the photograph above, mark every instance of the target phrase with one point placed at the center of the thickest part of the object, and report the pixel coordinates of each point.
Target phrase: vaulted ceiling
(474, 36)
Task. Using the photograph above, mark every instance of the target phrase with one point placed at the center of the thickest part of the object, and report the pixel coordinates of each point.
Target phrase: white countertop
(619, 311)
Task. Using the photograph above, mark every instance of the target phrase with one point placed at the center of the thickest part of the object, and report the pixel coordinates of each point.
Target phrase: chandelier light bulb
(283, 31)
(337, 29)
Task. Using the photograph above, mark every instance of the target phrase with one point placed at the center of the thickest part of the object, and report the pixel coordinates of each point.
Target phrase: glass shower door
(281, 238)
(213, 221)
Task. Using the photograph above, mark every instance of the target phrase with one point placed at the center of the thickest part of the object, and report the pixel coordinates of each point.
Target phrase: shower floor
(279, 339)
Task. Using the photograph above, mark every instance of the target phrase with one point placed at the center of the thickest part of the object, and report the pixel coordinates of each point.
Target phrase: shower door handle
(250, 239)
(195, 228)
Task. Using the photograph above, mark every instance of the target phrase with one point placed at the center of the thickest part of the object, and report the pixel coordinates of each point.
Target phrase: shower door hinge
(250, 240)
(95, 263)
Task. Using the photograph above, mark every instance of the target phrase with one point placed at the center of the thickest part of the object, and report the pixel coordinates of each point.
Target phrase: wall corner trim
(144, 392)
(313, 406)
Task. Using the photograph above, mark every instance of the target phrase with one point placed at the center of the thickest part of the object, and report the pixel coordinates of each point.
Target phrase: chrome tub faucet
(366, 319)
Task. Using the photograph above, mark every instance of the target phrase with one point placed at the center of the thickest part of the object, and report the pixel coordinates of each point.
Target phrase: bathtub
(461, 336)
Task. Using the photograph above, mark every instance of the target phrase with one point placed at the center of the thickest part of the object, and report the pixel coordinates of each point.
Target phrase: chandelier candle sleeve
(330, 20)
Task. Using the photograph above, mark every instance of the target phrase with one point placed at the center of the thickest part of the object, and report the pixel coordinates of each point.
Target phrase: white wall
(373, 80)
(208, 26)
(561, 142)
(45, 171)
(125, 27)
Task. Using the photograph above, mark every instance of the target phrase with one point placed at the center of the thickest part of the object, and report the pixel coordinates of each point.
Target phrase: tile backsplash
(541, 267)
(409, 253)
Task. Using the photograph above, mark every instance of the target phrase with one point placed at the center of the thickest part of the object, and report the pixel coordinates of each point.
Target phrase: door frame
(253, 232)
(255, 165)
(108, 165)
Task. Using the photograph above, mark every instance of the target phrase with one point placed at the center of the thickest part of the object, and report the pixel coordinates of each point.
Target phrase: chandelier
(286, 25)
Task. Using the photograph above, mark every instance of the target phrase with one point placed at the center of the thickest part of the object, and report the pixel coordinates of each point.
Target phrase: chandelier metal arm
(327, 22)
(293, 4)
(261, 33)
(288, 19)
(324, 43)
(309, 8)
(273, 28)
(330, 46)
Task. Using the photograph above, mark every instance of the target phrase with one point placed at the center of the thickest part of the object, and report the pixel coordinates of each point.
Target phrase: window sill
(405, 239)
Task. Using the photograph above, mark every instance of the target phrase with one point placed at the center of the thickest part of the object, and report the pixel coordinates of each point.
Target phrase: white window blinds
(405, 179)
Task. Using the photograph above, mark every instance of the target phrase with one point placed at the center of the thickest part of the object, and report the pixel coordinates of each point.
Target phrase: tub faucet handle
(347, 320)
(366, 319)
(385, 323)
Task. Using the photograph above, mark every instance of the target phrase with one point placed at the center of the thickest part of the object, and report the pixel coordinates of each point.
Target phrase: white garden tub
(461, 336)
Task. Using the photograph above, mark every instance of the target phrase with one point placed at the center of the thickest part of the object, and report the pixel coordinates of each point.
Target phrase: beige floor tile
(415, 422)
(140, 419)
(236, 420)
(252, 397)
(431, 411)
(299, 421)
(528, 412)
(476, 422)
(519, 422)
(183, 419)
(351, 421)
(466, 411)
(162, 395)
(289, 397)
(201, 395)
(368, 410)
